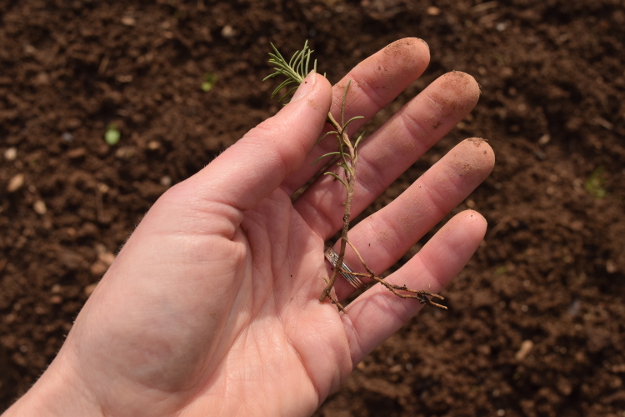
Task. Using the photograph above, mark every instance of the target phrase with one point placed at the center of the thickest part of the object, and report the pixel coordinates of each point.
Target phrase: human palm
(211, 307)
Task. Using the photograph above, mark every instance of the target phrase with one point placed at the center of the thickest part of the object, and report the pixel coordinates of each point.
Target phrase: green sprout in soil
(346, 156)
(112, 135)
(209, 81)
(501, 270)
(595, 183)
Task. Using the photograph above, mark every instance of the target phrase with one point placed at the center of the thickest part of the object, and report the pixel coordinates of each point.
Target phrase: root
(402, 291)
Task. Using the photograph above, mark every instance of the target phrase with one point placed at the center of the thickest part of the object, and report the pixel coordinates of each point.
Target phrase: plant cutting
(345, 157)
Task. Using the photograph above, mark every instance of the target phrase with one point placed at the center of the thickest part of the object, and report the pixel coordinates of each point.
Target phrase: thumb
(257, 164)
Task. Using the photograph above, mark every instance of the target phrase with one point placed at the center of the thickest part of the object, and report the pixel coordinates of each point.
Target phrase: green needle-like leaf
(295, 70)
(336, 177)
(343, 104)
(346, 168)
(325, 155)
(358, 140)
(332, 132)
(352, 119)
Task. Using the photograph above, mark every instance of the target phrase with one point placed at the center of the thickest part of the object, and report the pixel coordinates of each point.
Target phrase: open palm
(211, 307)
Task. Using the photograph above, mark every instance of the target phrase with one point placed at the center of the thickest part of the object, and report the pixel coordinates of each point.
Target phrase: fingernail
(305, 86)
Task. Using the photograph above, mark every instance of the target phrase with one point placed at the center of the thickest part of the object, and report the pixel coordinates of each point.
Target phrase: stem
(351, 182)
(349, 168)
(424, 297)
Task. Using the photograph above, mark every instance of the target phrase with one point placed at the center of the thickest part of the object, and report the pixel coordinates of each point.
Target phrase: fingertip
(386, 73)
(413, 54)
(475, 220)
(478, 154)
(464, 79)
(425, 43)
(459, 90)
(323, 83)
(316, 88)
(323, 93)
(310, 108)
(461, 235)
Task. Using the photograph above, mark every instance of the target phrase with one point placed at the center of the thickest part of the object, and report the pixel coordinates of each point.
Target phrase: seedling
(346, 155)
(209, 81)
(596, 182)
(112, 135)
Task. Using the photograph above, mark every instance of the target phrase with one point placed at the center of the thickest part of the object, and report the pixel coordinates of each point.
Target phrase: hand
(211, 307)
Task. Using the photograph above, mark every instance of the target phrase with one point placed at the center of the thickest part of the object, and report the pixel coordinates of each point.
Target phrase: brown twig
(424, 297)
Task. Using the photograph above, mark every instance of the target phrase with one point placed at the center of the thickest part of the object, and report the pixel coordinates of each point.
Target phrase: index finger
(375, 82)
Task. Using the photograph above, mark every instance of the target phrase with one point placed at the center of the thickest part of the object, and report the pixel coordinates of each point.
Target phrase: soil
(536, 322)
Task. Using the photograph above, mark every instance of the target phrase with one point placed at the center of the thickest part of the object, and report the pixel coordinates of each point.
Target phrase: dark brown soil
(536, 325)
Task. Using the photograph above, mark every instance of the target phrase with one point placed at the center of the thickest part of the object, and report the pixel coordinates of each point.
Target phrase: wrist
(59, 392)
